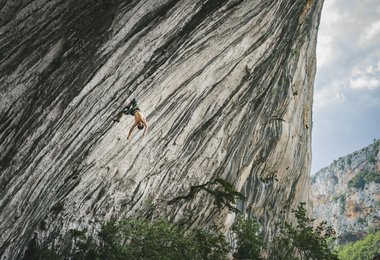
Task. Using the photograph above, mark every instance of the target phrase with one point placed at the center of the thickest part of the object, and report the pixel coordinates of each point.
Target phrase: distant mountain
(346, 194)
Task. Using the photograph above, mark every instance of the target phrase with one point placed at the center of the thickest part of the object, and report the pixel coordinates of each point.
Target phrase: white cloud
(324, 50)
(330, 95)
(361, 86)
(370, 33)
(326, 43)
(347, 84)
(349, 31)
(367, 78)
(364, 83)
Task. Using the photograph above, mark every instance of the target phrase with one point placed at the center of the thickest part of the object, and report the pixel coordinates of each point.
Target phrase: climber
(133, 109)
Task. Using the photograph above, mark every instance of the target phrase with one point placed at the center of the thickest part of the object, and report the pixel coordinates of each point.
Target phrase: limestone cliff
(226, 87)
(346, 194)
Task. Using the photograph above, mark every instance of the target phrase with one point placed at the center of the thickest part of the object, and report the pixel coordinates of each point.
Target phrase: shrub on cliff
(298, 240)
(367, 248)
(301, 241)
(363, 177)
(141, 239)
(249, 242)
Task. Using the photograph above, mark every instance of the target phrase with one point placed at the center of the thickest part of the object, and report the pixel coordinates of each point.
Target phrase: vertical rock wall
(226, 87)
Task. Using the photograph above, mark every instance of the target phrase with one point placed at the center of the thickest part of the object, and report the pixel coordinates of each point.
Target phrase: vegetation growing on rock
(345, 194)
(249, 240)
(367, 248)
(363, 177)
(139, 239)
(159, 239)
(301, 241)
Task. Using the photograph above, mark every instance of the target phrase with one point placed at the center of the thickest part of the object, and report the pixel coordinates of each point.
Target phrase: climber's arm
(145, 126)
(131, 130)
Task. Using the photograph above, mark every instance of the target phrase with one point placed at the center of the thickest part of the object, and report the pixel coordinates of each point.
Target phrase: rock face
(226, 87)
(347, 194)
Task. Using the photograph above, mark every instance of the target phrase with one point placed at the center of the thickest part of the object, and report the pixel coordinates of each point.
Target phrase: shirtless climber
(133, 109)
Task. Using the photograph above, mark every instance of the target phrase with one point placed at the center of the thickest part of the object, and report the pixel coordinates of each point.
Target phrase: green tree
(301, 240)
(141, 239)
(349, 159)
(364, 249)
(363, 177)
(249, 241)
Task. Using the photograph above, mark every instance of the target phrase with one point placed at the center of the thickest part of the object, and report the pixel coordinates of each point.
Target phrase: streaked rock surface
(352, 212)
(226, 87)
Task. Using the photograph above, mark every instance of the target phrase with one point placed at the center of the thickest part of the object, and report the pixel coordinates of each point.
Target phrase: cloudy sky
(346, 110)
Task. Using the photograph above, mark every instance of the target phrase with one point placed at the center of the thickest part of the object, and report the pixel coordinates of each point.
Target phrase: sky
(346, 107)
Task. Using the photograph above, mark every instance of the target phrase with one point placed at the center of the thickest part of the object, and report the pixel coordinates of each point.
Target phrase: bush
(301, 240)
(141, 239)
(367, 248)
(349, 159)
(362, 178)
(371, 157)
(341, 198)
(357, 182)
(249, 242)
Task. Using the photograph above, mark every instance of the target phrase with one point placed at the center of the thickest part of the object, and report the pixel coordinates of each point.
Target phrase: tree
(301, 240)
(367, 248)
(249, 242)
(141, 239)
(363, 177)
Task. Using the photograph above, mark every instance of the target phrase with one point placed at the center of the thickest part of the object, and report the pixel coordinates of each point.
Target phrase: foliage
(362, 178)
(249, 240)
(141, 239)
(371, 158)
(80, 246)
(46, 253)
(301, 240)
(209, 245)
(371, 155)
(349, 159)
(364, 249)
(223, 192)
(341, 198)
(295, 53)
(376, 145)
(297, 240)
